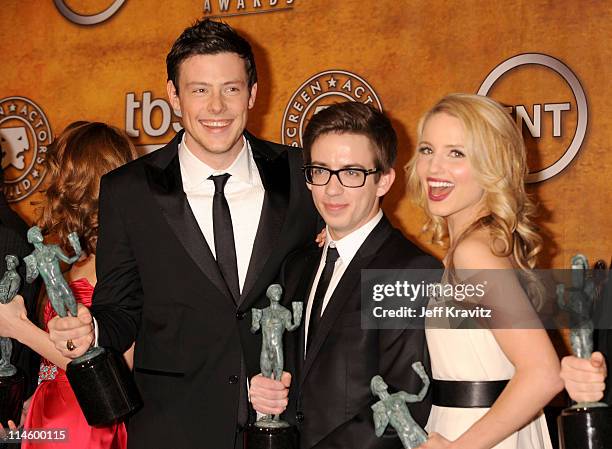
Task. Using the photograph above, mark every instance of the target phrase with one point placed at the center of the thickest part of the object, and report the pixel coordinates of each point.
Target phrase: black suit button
(233, 379)
(240, 315)
(299, 417)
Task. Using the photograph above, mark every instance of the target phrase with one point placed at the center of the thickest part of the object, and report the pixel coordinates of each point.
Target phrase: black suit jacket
(330, 399)
(159, 284)
(13, 241)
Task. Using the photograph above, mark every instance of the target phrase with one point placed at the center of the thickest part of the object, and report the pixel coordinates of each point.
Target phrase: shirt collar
(195, 172)
(348, 245)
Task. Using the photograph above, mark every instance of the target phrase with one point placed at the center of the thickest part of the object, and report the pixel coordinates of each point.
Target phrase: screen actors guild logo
(556, 110)
(82, 19)
(319, 92)
(24, 136)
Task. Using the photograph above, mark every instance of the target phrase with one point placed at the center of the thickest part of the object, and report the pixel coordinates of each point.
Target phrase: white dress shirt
(244, 192)
(347, 248)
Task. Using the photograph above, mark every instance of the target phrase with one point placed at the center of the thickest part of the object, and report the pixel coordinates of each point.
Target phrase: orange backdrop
(399, 55)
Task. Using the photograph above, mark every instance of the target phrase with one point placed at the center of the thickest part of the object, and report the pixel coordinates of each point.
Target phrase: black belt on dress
(466, 394)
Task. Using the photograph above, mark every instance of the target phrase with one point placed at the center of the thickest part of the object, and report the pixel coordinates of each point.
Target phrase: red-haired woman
(80, 156)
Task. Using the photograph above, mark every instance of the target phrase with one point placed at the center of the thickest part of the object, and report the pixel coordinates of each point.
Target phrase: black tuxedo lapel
(274, 172)
(342, 292)
(164, 177)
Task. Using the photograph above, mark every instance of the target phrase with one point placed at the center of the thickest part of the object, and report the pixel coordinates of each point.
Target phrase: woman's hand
(11, 316)
(435, 441)
(11, 426)
(24, 410)
(320, 239)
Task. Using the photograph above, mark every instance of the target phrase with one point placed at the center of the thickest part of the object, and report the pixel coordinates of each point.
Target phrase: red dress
(54, 405)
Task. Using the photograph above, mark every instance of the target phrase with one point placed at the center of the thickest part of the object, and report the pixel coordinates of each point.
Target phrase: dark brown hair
(207, 37)
(354, 118)
(77, 159)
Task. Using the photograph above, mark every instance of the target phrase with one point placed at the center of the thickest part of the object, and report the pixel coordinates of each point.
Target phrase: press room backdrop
(549, 61)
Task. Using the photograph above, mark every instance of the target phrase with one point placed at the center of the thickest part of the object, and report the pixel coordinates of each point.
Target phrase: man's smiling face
(214, 99)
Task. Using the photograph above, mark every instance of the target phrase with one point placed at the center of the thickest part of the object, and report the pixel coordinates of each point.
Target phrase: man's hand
(79, 330)
(584, 378)
(269, 396)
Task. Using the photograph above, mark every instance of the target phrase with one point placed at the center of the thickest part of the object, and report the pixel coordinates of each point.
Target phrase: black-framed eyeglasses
(348, 177)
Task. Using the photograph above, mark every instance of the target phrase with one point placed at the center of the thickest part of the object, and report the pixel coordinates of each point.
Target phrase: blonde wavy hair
(77, 159)
(496, 151)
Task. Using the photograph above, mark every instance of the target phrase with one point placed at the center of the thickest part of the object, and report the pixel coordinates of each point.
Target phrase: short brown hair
(208, 37)
(354, 118)
(77, 159)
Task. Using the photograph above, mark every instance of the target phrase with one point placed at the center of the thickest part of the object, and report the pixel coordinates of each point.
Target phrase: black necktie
(317, 302)
(225, 248)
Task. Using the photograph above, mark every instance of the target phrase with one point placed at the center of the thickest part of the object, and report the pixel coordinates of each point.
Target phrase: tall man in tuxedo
(190, 238)
(349, 151)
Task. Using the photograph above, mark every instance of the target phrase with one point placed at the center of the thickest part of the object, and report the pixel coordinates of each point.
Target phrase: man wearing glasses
(349, 151)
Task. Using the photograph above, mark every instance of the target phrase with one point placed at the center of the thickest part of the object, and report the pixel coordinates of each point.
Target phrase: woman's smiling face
(446, 173)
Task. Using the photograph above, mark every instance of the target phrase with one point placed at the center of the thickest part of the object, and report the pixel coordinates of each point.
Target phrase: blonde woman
(468, 175)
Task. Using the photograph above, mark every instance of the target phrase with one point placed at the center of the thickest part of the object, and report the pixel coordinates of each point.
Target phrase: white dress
(474, 355)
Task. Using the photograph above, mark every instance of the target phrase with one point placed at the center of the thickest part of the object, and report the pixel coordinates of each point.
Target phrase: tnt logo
(548, 103)
(24, 136)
